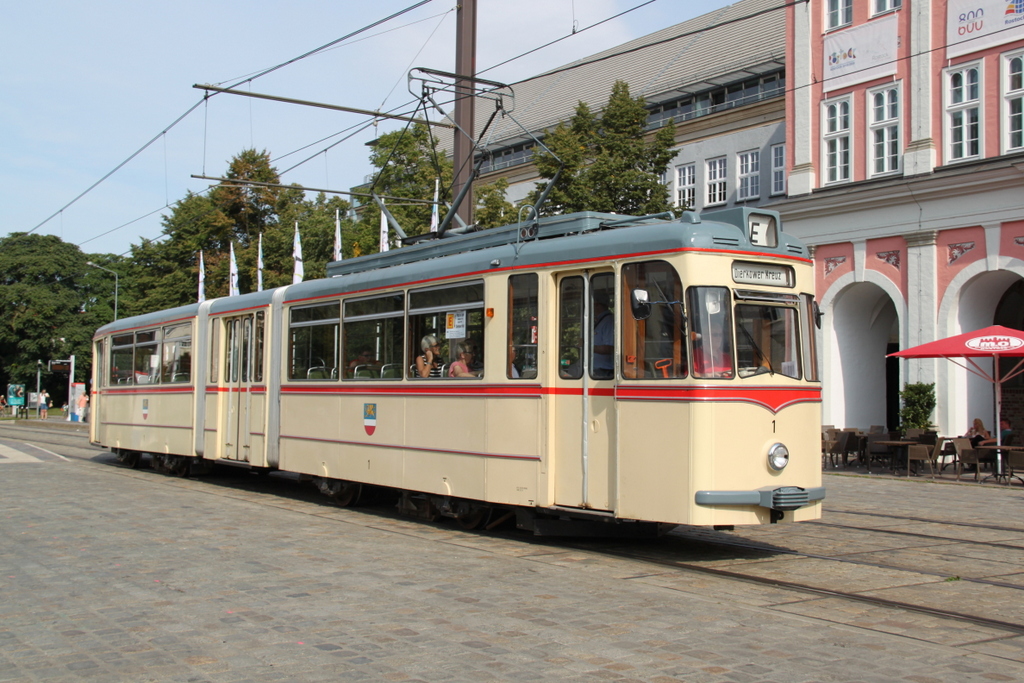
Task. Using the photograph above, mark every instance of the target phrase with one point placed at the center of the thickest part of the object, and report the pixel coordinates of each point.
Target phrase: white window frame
(838, 13)
(837, 140)
(686, 186)
(884, 130)
(883, 6)
(778, 169)
(716, 180)
(959, 104)
(748, 175)
(1013, 102)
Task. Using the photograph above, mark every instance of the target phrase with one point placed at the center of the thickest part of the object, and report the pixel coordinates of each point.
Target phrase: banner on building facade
(973, 25)
(861, 54)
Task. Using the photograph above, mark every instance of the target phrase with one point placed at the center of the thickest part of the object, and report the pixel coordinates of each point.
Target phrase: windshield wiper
(760, 353)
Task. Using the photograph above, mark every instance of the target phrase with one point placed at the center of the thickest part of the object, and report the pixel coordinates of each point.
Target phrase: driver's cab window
(711, 332)
(653, 347)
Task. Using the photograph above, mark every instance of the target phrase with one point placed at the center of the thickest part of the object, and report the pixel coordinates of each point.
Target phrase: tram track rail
(235, 489)
(988, 622)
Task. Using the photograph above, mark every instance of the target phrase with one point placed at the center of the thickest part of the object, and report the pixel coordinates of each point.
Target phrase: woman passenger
(428, 363)
(461, 367)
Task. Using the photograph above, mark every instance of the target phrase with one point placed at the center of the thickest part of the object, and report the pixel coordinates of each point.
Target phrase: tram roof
(578, 238)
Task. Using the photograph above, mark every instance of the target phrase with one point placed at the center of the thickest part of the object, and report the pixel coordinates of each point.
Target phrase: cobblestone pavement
(109, 574)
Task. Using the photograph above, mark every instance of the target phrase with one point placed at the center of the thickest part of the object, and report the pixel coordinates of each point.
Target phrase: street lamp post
(90, 263)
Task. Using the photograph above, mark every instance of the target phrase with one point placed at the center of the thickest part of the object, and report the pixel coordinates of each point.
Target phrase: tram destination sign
(747, 273)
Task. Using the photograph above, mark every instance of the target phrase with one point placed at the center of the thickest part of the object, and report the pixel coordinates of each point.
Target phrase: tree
(609, 166)
(492, 209)
(165, 272)
(407, 163)
(49, 308)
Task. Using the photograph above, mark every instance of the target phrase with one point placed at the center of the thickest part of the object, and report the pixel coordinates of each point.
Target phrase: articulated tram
(586, 368)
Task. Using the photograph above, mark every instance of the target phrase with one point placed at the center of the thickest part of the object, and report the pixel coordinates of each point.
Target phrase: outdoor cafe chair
(965, 455)
(913, 434)
(922, 453)
(837, 451)
(1014, 466)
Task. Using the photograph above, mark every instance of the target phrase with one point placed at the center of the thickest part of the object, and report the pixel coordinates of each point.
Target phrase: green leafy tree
(492, 209)
(918, 404)
(51, 302)
(165, 271)
(407, 163)
(610, 164)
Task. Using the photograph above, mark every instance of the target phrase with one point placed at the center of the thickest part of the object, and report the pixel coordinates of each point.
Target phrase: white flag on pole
(297, 255)
(259, 266)
(434, 213)
(383, 232)
(233, 274)
(337, 235)
(202, 278)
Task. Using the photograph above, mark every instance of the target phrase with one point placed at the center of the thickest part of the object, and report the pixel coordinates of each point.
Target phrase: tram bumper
(783, 499)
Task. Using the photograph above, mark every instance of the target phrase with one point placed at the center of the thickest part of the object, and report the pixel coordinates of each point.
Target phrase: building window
(837, 141)
(884, 130)
(1014, 102)
(778, 169)
(882, 6)
(840, 13)
(686, 186)
(749, 174)
(963, 112)
(716, 181)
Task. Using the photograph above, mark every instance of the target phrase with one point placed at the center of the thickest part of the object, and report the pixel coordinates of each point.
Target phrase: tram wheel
(179, 467)
(342, 493)
(129, 459)
(474, 519)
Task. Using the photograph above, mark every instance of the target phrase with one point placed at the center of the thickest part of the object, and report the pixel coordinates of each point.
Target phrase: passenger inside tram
(428, 363)
(464, 363)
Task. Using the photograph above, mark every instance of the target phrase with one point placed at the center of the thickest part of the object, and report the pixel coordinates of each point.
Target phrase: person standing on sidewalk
(44, 405)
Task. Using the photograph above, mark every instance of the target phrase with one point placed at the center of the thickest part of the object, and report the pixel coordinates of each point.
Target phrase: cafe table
(905, 445)
(999, 473)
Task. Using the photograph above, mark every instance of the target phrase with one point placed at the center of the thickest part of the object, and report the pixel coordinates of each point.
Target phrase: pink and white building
(905, 131)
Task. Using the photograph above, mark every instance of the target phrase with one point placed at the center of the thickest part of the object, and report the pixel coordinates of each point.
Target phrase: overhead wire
(208, 95)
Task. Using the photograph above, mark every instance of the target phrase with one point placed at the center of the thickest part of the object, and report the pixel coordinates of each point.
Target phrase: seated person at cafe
(977, 433)
(1005, 434)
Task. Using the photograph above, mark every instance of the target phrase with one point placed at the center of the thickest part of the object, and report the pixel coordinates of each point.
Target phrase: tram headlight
(778, 457)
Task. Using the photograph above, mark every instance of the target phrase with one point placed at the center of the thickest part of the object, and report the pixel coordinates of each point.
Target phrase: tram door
(585, 423)
(238, 375)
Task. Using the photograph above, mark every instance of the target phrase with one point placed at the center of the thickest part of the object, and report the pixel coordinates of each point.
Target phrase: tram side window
(314, 342)
(373, 337)
(767, 340)
(522, 326)
(602, 317)
(710, 332)
(454, 317)
(654, 348)
(570, 328)
(147, 357)
(258, 345)
(215, 326)
(122, 354)
(177, 354)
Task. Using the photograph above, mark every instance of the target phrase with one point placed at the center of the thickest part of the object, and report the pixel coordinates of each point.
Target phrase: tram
(577, 371)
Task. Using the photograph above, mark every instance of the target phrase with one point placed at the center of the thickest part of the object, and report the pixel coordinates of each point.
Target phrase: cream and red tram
(620, 370)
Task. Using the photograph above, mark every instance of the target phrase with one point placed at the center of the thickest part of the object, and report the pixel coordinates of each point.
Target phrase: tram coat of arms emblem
(369, 417)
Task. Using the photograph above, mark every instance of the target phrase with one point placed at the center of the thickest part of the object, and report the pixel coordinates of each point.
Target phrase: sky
(86, 85)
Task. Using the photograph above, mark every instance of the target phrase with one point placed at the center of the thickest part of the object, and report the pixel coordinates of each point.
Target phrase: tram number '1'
(773, 426)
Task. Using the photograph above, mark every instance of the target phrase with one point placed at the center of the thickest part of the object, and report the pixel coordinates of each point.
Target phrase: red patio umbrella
(991, 342)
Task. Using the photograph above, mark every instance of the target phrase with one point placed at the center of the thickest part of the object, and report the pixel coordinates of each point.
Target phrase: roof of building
(739, 41)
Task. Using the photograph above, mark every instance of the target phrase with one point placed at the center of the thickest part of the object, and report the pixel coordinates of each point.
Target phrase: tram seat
(364, 372)
(391, 371)
(318, 372)
(180, 377)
